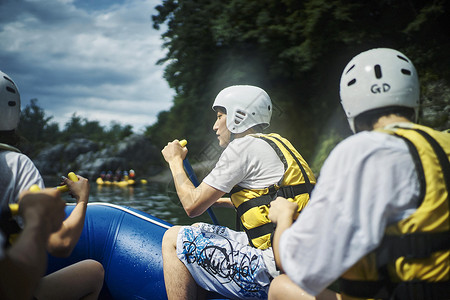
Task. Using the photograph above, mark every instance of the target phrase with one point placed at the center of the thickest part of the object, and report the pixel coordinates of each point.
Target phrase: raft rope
(127, 211)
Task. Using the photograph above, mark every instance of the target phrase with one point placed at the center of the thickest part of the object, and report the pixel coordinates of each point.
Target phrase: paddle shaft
(193, 178)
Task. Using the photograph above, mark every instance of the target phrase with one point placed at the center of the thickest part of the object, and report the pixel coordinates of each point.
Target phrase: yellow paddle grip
(183, 143)
(63, 188)
(14, 207)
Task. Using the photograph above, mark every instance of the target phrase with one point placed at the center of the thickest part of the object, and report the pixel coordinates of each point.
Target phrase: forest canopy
(296, 51)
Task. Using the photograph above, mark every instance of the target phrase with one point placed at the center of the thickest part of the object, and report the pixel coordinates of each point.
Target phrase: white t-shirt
(247, 161)
(17, 174)
(367, 182)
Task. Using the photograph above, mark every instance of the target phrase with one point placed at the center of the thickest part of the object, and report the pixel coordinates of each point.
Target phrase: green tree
(79, 127)
(52, 133)
(74, 128)
(190, 65)
(295, 50)
(33, 122)
(117, 132)
(93, 130)
(35, 128)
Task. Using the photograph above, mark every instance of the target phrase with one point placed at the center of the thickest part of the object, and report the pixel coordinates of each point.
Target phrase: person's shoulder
(365, 141)
(250, 140)
(247, 146)
(369, 143)
(19, 158)
(353, 140)
(13, 154)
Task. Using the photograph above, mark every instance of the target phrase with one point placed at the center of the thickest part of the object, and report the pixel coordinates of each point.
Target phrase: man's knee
(170, 238)
(96, 273)
(93, 272)
(97, 269)
(277, 287)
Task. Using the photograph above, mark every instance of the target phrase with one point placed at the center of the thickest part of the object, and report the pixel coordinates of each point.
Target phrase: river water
(157, 199)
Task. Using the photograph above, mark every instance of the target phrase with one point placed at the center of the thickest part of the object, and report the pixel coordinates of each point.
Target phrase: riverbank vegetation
(37, 130)
(296, 51)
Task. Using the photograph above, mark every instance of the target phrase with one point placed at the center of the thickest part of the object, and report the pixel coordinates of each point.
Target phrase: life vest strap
(236, 189)
(419, 168)
(412, 246)
(288, 191)
(440, 153)
(254, 202)
(275, 147)
(417, 290)
(259, 231)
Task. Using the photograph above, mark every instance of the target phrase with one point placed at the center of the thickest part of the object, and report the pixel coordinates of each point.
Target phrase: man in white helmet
(17, 175)
(382, 197)
(254, 168)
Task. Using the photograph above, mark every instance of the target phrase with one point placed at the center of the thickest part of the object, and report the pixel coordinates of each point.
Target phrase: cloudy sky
(95, 58)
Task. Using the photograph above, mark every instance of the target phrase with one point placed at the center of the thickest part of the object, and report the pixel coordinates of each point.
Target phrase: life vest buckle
(287, 192)
(291, 191)
(273, 189)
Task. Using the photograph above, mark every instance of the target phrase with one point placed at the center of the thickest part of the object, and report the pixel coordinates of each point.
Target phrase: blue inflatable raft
(127, 242)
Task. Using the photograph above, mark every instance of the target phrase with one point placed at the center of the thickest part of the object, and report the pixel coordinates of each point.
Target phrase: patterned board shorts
(222, 261)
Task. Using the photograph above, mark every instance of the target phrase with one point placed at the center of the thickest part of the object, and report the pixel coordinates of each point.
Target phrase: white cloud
(99, 62)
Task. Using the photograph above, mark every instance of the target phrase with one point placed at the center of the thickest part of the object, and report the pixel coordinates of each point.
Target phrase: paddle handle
(183, 143)
(193, 178)
(14, 207)
(64, 188)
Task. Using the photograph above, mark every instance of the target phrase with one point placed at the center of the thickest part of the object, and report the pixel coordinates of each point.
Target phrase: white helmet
(9, 103)
(246, 107)
(378, 78)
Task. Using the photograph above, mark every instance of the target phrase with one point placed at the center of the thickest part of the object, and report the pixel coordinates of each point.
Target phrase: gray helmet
(378, 78)
(9, 103)
(246, 107)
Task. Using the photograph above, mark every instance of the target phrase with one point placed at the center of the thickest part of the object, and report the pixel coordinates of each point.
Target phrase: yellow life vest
(252, 206)
(413, 259)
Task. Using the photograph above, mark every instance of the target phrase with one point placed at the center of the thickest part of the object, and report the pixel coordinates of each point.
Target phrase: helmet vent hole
(268, 107)
(8, 79)
(377, 70)
(11, 90)
(11, 103)
(351, 82)
(406, 72)
(403, 58)
(239, 117)
(349, 69)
